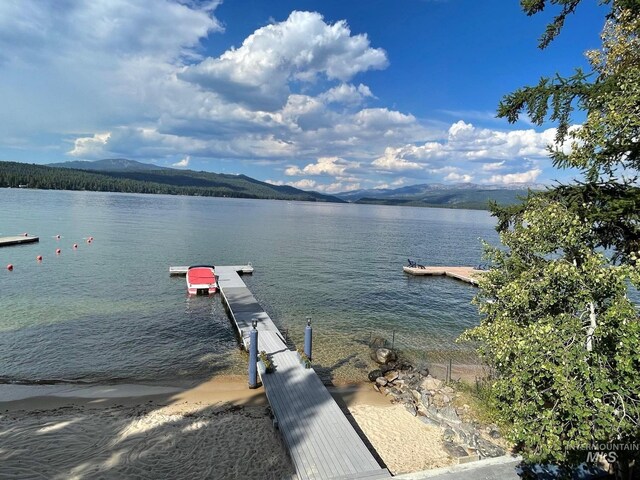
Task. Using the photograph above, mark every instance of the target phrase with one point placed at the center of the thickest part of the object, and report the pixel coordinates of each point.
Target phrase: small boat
(201, 280)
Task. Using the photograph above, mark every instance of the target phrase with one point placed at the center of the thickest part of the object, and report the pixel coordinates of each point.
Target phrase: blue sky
(323, 95)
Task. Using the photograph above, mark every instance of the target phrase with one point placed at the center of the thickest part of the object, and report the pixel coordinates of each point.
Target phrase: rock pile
(431, 401)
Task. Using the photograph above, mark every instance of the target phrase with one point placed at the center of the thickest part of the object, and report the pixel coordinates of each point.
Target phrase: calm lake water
(109, 311)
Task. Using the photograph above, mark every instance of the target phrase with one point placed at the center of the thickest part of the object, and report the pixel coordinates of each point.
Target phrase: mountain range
(124, 175)
(460, 195)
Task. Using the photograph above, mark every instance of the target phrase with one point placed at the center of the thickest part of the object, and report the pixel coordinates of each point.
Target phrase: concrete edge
(459, 468)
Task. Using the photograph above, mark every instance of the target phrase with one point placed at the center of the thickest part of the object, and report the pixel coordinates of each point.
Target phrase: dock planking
(18, 240)
(321, 441)
(464, 274)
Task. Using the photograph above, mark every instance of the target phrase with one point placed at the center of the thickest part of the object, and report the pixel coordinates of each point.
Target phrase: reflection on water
(109, 310)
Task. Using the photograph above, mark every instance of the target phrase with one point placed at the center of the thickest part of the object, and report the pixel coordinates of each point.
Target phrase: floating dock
(464, 274)
(321, 441)
(17, 240)
(241, 269)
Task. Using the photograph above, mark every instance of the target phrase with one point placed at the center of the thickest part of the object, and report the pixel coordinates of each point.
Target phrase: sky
(322, 95)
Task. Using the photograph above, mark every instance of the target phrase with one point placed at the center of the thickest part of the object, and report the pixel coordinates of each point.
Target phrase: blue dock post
(308, 331)
(253, 356)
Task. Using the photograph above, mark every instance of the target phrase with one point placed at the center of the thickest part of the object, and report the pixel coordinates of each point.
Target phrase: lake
(109, 311)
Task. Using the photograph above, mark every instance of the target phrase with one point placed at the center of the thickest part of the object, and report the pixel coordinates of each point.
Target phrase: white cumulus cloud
(184, 163)
(332, 166)
(520, 177)
(257, 74)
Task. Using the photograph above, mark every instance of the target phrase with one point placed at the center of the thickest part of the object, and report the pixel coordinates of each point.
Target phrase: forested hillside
(172, 182)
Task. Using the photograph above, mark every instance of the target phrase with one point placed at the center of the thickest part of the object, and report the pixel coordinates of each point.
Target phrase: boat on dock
(201, 280)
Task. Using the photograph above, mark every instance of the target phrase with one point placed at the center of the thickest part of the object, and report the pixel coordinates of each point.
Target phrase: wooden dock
(17, 240)
(321, 441)
(464, 274)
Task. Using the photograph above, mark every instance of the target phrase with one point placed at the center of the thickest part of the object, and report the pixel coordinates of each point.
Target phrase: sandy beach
(218, 429)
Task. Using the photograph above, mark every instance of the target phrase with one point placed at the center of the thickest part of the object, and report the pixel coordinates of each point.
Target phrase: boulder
(456, 451)
(448, 435)
(383, 356)
(417, 396)
(448, 390)
(429, 421)
(411, 408)
(449, 414)
(381, 381)
(388, 367)
(374, 374)
(430, 383)
(391, 375)
(487, 449)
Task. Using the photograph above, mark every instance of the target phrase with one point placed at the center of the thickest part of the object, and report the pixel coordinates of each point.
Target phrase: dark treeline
(171, 182)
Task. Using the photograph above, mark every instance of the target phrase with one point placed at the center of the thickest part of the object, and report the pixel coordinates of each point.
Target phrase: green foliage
(306, 361)
(557, 322)
(168, 181)
(268, 364)
(561, 381)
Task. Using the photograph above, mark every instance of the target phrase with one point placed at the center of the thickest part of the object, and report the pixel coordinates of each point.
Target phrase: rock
(424, 371)
(446, 399)
(373, 374)
(493, 431)
(448, 390)
(488, 449)
(386, 368)
(437, 400)
(383, 356)
(429, 421)
(381, 381)
(411, 408)
(448, 435)
(391, 376)
(422, 410)
(376, 388)
(456, 451)
(425, 399)
(417, 396)
(449, 414)
(430, 383)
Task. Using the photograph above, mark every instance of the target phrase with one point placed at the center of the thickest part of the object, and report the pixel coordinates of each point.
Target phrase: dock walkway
(464, 274)
(321, 441)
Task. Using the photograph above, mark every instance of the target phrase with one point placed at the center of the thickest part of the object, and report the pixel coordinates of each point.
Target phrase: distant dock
(464, 274)
(321, 441)
(18, 240)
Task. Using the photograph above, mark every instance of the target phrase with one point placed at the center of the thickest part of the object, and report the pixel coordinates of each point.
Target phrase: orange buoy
(58, 251)
(10, 267)
(39, 258)
(75, 245)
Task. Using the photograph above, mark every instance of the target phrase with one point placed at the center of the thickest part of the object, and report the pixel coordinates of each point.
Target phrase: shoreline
(209, 429)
